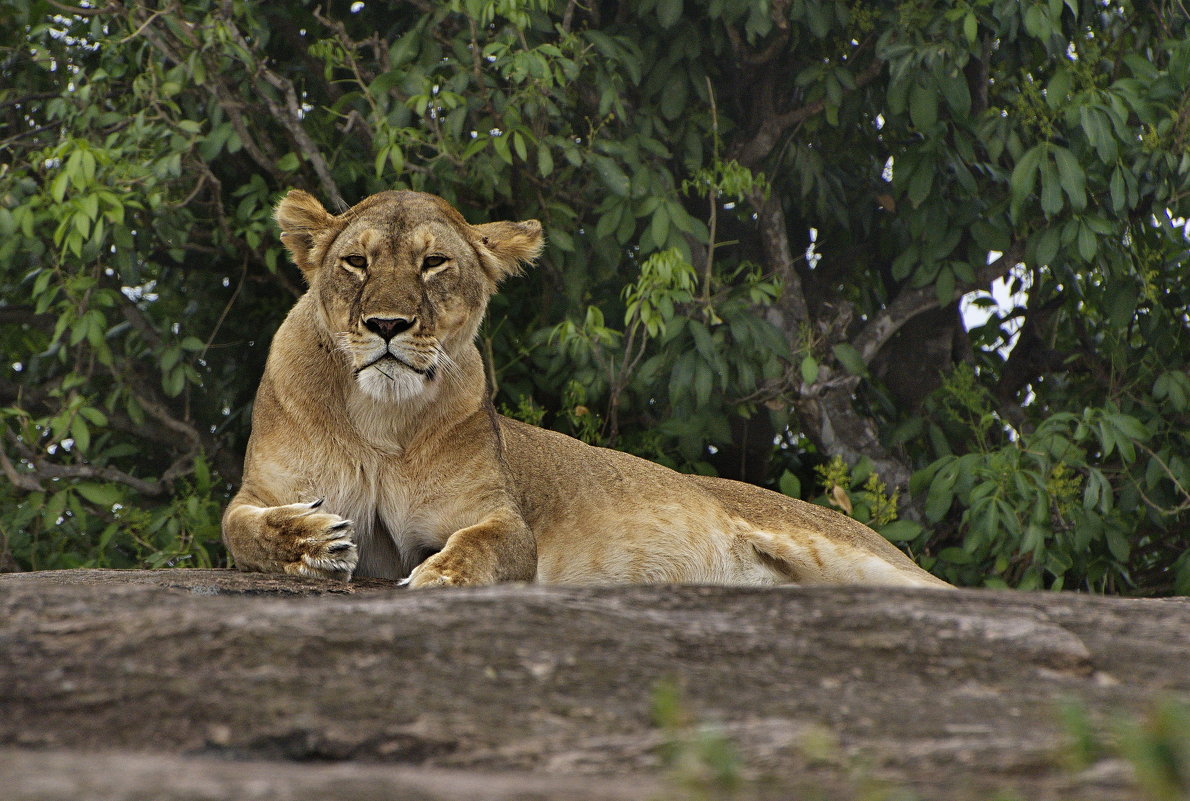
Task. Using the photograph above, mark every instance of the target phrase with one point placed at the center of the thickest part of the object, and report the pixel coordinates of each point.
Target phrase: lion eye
(430, 262)
(356, 261)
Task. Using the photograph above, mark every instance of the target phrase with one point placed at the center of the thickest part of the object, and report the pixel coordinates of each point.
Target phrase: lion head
(401, 280)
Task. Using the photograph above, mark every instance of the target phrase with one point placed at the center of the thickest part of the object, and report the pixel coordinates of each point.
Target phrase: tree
(763, 218)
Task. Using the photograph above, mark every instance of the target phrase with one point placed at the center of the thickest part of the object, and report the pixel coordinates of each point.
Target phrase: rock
(218, 684)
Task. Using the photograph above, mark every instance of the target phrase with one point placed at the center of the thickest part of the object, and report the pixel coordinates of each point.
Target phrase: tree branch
(31, 132)
(774, 237)
(23, 99)
(136, 318)
(568, 16)
(774, 127)
(831, 422)
(49, 470)
(764, 56)
(22, 481)
(290, 118)
(80, 11)
(85, 471)
(171, 48)
(24, 315)
(911, 302)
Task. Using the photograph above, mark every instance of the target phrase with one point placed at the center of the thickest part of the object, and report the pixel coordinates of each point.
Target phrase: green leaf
(1087, 243)
(1117, 543)
(613, 177)
(1130, 426)
(1051, 189)
(1058, 88)
(1037, 21)
(944, 287)
(703, 381)
(105, 496)
(1047, 244)
(850, 358)
(503, 149)
(78, 331)
(673, 98)
(790, 485)
(669, 12)
(809, 369)
(173, 382)
(659, 228)
(970, 27)
(81, 433)
(1072, 177)
(958, 95)
(956, 556)
(94, 415)
(923, 107)
(1024, 175)
(58, 187)
(170, 357)
(901, 531)
(1121, 300)
(90, 206)
(42, 282)
(609, 222)
(1119, 195)
(702, 340)
(403, 50)
(920, 185)
(941, 492)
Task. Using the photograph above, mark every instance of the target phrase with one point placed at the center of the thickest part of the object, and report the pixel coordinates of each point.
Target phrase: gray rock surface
(196, 684)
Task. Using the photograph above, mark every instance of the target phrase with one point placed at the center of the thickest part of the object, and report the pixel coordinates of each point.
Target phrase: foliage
(761, 220)
(1156, 746)
(702, 762)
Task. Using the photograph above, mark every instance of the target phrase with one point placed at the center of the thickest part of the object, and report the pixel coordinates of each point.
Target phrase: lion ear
(301, 218)
(504, 246)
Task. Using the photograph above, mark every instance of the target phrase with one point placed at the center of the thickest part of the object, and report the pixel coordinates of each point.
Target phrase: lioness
(375, 449)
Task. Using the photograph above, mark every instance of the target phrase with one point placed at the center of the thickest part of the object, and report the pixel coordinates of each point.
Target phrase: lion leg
(296, 538)
(500, 548)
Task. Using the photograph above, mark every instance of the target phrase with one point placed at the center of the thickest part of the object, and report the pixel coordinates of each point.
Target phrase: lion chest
(391, 505)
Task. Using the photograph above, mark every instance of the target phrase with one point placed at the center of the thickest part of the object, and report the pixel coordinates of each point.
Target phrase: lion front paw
(312, 543)
(436, 572)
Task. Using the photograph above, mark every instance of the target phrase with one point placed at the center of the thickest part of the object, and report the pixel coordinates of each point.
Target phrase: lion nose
(389, 327)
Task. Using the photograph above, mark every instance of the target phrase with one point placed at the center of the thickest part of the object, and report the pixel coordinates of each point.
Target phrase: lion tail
(809, 558)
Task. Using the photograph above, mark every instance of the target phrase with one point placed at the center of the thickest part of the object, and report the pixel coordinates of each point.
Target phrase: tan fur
(368, 467)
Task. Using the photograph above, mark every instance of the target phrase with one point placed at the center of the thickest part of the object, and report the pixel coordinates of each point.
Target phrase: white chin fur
(395, 385)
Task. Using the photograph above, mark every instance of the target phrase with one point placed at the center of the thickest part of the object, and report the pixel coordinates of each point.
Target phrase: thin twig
(226, 308)
(22, 481)
(31, 132)
(82, 12)
(712, 200)
(202, 179)
(1172, 477)
(143, 25)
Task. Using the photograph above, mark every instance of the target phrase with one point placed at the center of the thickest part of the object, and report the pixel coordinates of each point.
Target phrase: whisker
(449, 366)
(343, 342)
